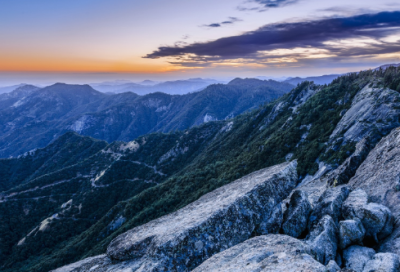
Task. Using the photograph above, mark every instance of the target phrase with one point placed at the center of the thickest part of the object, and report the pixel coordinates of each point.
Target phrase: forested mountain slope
(34, 118)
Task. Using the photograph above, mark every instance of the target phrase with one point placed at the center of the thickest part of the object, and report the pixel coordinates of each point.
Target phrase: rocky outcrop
(213, 233)
(374, 112)
(355, 257)
(296, 215)
(278, 253)
(217, 221)
(379, 176)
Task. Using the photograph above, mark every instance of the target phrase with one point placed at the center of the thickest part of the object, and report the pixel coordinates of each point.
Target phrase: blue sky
(83, 41)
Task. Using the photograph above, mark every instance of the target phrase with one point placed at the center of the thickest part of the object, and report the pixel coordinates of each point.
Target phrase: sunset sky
(94, 40)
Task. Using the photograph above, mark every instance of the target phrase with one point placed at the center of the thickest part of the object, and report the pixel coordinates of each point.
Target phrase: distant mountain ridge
(327, 79)
(7, 89)
(7, 99)
(321, 80)
(148, 86)
(35, 118)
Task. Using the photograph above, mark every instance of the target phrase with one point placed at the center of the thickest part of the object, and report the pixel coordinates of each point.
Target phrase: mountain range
(148, 86)
(32, 117)
(285, 176)
(8, 89)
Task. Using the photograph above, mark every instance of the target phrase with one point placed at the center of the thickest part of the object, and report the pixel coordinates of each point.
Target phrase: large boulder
(355, 257)
(274, 252)
(323, 240)
(352, 206)
(215, 222)
(296, 215)
(329, 203)
(377, 219)
(385, 262)
(351, 232)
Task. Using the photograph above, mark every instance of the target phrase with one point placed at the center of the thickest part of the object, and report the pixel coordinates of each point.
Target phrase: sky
(45, 41)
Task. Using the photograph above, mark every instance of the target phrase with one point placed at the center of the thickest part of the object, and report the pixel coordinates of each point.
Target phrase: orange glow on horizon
(35, 64)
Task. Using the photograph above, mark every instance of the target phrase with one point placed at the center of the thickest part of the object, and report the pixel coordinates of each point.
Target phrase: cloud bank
(335, 38)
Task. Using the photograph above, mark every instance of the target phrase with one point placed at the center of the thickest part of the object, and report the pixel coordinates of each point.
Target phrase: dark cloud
(267, 4)
(320, 34)
(230, 21)
(213, 25)
(275, 3)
